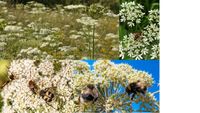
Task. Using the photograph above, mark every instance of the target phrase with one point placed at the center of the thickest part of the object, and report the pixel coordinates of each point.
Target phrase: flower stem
(93, 36)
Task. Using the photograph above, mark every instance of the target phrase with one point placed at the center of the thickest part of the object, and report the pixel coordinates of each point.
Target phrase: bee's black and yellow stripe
(47, 94)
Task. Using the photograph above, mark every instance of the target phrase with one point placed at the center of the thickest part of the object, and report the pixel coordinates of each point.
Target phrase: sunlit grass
(64, 21)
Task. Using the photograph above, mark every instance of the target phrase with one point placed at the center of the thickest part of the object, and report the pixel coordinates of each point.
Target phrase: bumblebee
(47, 94)
(138, 35)
(89, 94)
(135, 88)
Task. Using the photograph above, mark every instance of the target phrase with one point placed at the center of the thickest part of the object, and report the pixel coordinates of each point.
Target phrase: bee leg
(143, 92)
(77, 102)
(72, 96)
(68, 81)
(133, 96)
(4, 84)
(50, 105)
(95, 100)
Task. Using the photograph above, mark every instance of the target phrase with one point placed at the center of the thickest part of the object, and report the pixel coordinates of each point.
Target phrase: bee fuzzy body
(88, 97)
(47, 93)
(89, 94)
(135, 88)
(138, 35)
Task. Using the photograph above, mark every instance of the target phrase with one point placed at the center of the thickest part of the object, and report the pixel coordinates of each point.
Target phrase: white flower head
(87, 21)
(131, 13)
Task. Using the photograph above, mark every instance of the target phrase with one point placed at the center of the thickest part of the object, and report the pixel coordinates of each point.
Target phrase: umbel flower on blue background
(149, 66)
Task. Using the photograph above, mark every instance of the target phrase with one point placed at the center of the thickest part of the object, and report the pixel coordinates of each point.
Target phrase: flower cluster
(143, 44)
(67, 79)
(2, 3)
(13, 28)
(87, 21)
(70, 7)
(131, 13)
(33, 53)
(18, 96)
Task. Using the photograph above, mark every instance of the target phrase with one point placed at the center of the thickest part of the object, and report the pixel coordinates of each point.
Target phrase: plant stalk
(93, 49)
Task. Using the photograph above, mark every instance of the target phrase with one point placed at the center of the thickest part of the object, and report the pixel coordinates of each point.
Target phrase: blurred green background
(111, 4)
(4, 64)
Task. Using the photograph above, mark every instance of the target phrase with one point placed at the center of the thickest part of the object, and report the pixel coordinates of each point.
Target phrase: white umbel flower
(131, 13)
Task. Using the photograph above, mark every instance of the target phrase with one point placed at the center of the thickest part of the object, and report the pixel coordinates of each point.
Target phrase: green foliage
(113, 5)
(96, 10)
(1, 103)
(125, 28)
(2, 24)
